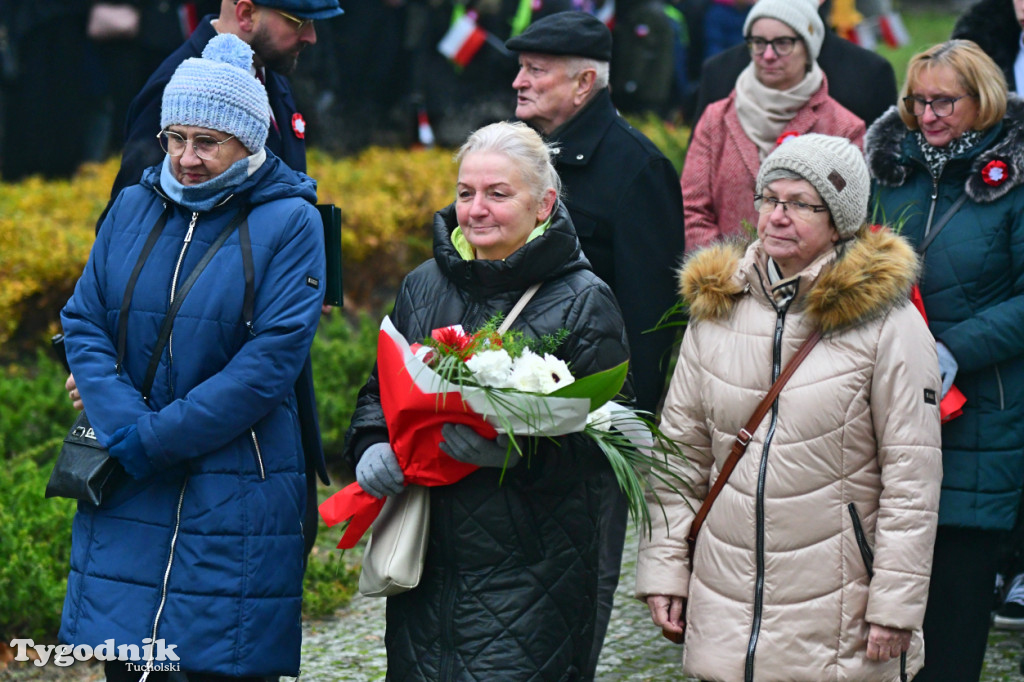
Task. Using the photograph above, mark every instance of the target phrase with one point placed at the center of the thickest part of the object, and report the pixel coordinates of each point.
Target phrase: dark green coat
(973, 290)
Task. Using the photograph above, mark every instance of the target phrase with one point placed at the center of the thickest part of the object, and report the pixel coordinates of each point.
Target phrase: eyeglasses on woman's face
(206, 147)
(780, 46)
(941, 106)
(800, 209)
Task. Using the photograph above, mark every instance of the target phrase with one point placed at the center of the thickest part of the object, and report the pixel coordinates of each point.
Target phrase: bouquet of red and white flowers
(498, 383)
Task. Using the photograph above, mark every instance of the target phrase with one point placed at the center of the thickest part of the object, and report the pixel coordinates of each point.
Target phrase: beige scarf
(765, 112)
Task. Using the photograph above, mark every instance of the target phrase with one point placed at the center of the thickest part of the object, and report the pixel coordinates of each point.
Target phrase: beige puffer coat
(780, 590)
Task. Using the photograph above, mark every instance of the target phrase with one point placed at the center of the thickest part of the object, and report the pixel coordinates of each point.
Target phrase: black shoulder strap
(186, 286)
(941, 223)
(129, 290)
(250, 276)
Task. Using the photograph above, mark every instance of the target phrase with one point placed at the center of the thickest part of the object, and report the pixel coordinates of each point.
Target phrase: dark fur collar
(891, 166)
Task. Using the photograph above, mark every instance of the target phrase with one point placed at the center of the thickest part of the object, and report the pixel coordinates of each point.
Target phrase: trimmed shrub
(35, 406)
(35, 545)
(47, 230)
(388, 198)
(343, 355)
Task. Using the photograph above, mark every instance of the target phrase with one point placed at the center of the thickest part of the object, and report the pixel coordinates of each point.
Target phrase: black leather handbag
(84, 470)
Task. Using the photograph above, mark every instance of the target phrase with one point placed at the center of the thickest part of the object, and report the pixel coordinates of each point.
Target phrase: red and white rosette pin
(299, 125)
(786, 137)
(995, 173)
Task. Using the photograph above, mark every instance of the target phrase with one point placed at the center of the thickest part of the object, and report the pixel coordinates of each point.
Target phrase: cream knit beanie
(834, 166)
(800, 15)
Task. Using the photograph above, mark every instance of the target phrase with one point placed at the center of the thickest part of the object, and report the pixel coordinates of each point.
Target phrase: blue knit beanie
(219, 92)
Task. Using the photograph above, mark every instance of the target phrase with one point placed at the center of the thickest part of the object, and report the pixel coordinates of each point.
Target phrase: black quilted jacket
(508, 589)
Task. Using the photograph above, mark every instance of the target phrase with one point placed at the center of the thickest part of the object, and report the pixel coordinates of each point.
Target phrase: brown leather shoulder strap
(746, 433)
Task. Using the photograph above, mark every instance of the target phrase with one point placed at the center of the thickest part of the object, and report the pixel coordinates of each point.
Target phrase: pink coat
(722, 163)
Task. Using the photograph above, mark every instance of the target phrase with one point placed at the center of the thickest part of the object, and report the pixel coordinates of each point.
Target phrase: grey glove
(461, 442)
(947, 367)
(378, 472)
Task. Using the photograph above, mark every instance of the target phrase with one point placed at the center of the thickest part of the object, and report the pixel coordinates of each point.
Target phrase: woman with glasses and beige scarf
(781, 94)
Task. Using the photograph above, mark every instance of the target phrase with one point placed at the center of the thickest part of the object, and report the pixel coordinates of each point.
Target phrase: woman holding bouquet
(813, 561)
(510, 579)
(947, 163)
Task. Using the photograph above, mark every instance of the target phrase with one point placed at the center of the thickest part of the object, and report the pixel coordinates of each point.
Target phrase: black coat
(993, 25)
(627, 208)
(859, 79)
(509, 586)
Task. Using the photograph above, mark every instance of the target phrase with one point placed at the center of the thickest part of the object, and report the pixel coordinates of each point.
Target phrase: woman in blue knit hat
(186, 333)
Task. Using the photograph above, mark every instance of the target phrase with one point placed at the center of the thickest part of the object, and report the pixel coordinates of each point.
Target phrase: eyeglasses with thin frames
(941, 106)
(300, 24)
(206, 148)
(801, 209)
(780, 46)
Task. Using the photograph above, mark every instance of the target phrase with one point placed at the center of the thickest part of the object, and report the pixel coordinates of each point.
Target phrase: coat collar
(868, 277)
(550, 255)
(893, 154)
(273, 180)
(803, 122)
(578, 137)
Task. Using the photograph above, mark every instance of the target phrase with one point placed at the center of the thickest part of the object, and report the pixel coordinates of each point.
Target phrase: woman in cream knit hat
(813, 562)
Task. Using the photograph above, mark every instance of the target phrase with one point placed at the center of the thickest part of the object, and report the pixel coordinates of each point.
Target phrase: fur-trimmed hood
(893, 154)
(873, 274)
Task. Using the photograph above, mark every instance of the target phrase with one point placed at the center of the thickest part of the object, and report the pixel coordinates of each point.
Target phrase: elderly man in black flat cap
(624, 199)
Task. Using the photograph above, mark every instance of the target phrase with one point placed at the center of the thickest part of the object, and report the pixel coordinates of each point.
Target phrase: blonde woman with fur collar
(814, 560)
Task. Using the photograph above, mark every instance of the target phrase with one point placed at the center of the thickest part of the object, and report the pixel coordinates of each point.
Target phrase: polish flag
(463, 40)
(606, 13)
(425, 131)
(894, 33)
(188, 18)
(862, 34)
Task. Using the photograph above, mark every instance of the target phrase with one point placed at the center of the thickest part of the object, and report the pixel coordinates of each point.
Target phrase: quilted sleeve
(907, 429)
(662, 562)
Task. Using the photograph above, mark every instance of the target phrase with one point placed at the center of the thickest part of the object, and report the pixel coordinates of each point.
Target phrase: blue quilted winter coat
(207, 552)
(972, 283)
(509, 585)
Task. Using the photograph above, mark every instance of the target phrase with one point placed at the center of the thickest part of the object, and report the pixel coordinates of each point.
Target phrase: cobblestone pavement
(351, 646)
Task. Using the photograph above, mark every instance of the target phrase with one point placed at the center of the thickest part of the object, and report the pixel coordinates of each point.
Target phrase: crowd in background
(376, 77)
(780, 150)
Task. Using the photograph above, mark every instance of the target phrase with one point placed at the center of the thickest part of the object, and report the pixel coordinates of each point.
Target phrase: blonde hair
(977, 74)
(523, 146)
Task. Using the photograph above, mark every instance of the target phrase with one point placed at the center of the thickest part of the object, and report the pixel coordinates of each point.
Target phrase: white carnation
(491, 367)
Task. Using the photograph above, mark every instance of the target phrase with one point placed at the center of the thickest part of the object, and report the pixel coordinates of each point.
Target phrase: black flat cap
(567, 33)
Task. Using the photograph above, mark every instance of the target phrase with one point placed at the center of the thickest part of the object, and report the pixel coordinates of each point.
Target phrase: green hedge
(35, 533)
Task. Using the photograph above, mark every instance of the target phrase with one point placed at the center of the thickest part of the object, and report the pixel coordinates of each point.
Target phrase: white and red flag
(463, 40)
